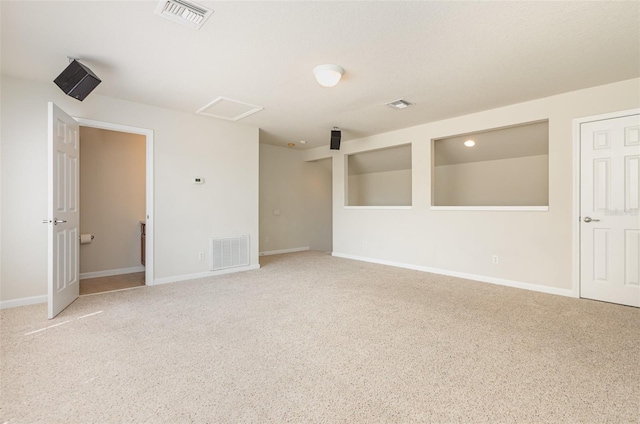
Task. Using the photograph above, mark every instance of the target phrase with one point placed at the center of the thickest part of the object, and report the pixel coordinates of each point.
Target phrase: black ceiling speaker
(77, 80)
(335, 139)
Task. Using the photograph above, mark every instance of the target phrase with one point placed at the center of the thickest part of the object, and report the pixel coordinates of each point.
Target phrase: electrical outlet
(495, 259)
(201, 256)
(266, 239)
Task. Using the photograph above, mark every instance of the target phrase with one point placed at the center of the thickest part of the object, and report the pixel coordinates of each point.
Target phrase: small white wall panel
(632, 136)
(632, 257)
(72, 174)
(61, 128)
(602, 140)
(601, 184)
(600, 254)
(62, 175)
(73, 255)
(73, 138)
(61, 281)
(632, 180)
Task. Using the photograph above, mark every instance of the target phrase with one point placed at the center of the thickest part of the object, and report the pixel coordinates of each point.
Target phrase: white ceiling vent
(399, 104)
(183, 12)
(229, 109)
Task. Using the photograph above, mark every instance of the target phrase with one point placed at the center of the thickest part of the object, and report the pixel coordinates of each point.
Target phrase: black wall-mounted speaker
(77, 80)
(335, 139)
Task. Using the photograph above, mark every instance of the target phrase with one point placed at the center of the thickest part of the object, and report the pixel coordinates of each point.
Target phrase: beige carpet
(314, 339)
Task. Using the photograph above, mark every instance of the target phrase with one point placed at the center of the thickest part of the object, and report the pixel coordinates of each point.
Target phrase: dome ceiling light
(328, 75)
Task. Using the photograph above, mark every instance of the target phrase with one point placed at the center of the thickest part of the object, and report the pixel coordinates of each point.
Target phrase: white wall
(392, 188)
(112, 198)
(186, 215)
(522, 181)
(534, 247)
(301, 193)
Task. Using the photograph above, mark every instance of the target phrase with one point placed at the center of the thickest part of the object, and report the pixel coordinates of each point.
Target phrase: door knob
(57, 221)
(589, 219)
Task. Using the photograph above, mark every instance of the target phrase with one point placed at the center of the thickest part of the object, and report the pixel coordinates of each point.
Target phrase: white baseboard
(187, 277)
(110, 272)
(24, 301)
(482, 278)
(277, 252)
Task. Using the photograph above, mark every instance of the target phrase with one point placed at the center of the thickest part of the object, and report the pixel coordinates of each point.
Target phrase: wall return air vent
(229, 252)
(184, 12)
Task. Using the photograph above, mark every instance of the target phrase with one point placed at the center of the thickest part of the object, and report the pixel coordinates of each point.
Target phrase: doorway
(112, 210)
(608, 206)
(319, 204)
(116, 199)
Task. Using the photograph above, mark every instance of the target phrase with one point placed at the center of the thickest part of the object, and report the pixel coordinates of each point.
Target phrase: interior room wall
(186, 145)
(391, 188)
(533, 247)
(522, 181)
(112, 198)
(295, 201)
(319, 207)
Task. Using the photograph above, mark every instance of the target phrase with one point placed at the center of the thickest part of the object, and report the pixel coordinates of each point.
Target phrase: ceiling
(396, 158)
(505, 143)
(449, 58)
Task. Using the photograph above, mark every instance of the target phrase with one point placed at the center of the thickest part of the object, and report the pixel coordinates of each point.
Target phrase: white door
(609, 205)
(63, 210)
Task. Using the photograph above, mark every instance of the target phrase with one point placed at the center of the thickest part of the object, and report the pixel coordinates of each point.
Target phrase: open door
(63, 219)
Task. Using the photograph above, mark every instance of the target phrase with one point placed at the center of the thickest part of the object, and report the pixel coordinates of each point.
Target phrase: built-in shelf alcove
(503, 168)
(379, 178)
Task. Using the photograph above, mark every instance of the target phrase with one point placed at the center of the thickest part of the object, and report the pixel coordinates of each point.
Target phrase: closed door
(64, 286)
(609, 206)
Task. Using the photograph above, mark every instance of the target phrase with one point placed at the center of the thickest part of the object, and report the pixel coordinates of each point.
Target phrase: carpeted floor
(310, 338)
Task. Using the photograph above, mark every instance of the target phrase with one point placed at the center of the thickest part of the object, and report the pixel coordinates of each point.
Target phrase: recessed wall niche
(503, 167)
(379, 177)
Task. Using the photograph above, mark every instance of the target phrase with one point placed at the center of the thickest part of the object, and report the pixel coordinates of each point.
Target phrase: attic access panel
(229, 109)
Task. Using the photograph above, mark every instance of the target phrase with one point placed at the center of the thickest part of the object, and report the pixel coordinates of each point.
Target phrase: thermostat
(198, 180)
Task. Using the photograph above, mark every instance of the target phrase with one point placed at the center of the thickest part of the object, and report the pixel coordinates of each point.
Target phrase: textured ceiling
(449, 58)
(396, 158)
(514, 142)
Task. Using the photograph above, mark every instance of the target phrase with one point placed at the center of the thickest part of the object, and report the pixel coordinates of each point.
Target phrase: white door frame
(148, 273)
(576, 186)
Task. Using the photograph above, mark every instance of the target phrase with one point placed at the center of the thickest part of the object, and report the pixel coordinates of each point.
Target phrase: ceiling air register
(183, 12)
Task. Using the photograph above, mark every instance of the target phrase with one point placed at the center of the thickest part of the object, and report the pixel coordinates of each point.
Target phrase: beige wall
(319, 207)
(392, 188)
(112, 198)
(520, 181)
(301, 192)
(186, 215)
(534, 247)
